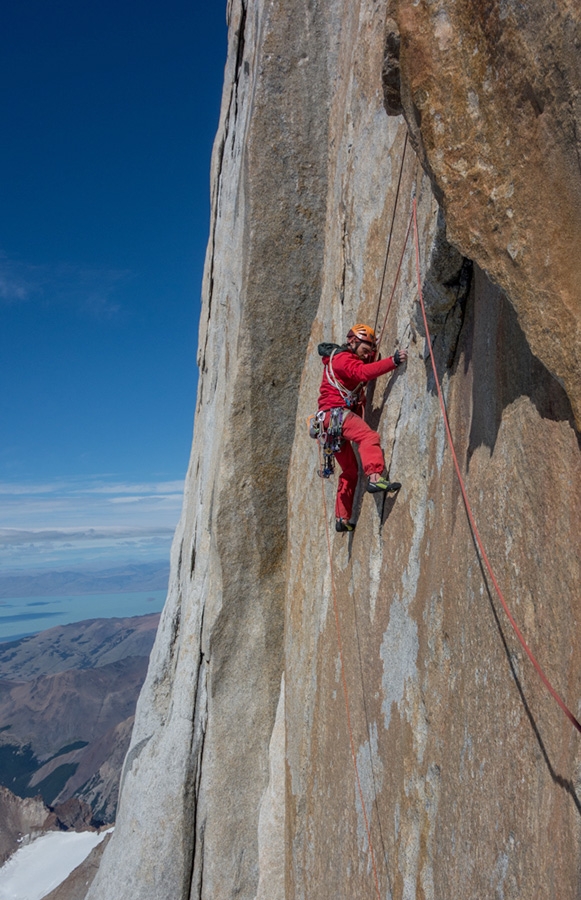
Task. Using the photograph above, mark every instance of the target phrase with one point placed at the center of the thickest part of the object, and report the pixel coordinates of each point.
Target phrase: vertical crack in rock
(577, 141)
(193, 887)
(229, 127)
(271, 820)
(390, 74)
(344, 247)
(239, 56)
(370, 770)
(275, 185)
(445, 288)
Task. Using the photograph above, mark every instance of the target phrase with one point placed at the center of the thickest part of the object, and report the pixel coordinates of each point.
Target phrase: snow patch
(38, 868)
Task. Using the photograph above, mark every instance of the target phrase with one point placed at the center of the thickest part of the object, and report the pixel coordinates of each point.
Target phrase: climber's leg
(347, 481)
(367, 440)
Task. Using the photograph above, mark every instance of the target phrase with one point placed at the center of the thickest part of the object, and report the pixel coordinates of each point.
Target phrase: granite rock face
(467, 777)
(198, 766)
(492, 94)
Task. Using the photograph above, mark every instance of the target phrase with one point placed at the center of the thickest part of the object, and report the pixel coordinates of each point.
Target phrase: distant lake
(22, 616)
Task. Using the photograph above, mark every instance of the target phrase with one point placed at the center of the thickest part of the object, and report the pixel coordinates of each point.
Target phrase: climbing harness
(330, 441)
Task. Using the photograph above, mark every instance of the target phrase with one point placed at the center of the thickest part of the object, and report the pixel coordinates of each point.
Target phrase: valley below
(67, 703)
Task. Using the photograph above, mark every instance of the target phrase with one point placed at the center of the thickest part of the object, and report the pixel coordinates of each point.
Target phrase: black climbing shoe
(342, 525)
(375, 487)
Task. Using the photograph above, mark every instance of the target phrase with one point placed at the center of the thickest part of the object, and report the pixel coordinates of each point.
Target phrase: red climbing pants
(370, 452)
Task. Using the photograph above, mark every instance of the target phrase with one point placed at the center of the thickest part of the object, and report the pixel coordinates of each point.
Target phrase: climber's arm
(359, 371)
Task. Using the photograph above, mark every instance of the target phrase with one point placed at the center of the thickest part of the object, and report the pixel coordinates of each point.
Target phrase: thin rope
(391, 230)
(369, 736)
(469, 513)
(345, 691)
(397, 274)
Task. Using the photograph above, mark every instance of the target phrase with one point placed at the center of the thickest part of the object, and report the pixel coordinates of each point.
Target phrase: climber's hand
(400, 356)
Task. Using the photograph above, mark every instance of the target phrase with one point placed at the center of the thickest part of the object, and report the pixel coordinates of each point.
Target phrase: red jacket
(350, 372)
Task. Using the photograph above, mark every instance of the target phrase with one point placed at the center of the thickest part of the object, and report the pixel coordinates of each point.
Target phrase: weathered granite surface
(492, 93)
(198, 766)
(470, 774)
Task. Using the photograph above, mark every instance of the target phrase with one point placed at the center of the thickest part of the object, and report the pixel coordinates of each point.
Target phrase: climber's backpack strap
(351, 398)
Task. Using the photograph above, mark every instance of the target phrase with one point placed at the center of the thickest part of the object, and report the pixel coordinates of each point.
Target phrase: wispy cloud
(13, 290)
(43, 550)
(92, 291)
(14, 537)
(7, 489)
(100, 488)
(149, 488)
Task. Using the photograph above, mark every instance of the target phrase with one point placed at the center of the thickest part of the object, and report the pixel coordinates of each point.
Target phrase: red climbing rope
(345, 691)
(414, 221)
(469, 513)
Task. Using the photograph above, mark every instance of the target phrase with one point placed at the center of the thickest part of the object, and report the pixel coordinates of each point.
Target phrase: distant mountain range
(80, 645)
(139, 577)
(67, 699)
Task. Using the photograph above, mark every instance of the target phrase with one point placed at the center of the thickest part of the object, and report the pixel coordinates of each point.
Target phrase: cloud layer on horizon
(88, 522)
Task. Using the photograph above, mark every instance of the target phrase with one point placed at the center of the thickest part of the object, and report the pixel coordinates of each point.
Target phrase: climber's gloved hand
(400, 356)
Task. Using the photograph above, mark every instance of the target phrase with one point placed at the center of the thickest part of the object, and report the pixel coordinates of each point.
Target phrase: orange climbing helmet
(362, 333)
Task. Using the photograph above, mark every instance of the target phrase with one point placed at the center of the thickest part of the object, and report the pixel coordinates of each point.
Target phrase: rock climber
(348, 368)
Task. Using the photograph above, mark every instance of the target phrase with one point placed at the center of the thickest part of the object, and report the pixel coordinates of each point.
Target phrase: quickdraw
(330, 440)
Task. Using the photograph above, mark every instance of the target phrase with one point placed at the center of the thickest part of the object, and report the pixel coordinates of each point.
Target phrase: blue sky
(109, 111)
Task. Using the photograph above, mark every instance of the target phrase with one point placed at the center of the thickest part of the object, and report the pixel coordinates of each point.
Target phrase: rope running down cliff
(345, 690)
(469, 512)
(413, 221)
